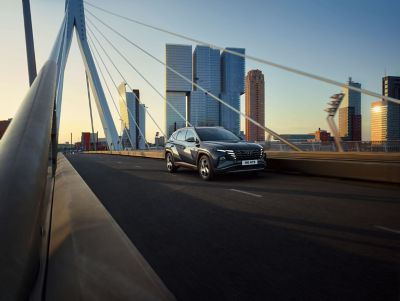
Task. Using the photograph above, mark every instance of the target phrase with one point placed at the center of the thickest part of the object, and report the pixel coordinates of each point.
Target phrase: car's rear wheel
(206, 170)
(170, 163)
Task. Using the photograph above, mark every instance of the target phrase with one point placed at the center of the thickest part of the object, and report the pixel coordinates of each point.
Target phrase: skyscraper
(179, 58)
(350, 114)
(204, 110)
(232, 87)
(391, 88)
(132, 118)
(255, 105)
(379, 123)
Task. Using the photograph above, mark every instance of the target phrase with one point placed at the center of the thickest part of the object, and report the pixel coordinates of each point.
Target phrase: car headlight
(228, 152)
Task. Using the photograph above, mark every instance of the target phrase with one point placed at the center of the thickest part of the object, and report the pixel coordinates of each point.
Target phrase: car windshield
(216, 134)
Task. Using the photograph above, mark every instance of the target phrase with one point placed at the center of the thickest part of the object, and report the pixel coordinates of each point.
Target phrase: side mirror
(191, 139)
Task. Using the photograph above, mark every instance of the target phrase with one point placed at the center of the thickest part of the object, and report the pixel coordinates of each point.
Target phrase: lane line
(248, 193)
(138, 166)
(387, 229)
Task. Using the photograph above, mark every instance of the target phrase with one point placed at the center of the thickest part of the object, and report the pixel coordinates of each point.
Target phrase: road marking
(138, 166)
(245, 192)
(387, 229)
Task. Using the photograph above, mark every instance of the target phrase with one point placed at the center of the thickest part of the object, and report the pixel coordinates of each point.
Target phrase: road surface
(270, 237)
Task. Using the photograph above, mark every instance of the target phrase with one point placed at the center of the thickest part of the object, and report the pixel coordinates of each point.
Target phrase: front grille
(248, 154)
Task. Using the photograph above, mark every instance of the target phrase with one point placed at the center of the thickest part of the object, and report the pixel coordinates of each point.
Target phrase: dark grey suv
(212, 150)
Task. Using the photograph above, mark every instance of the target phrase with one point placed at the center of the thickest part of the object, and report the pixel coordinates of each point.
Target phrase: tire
(205, 168)
(169, 158)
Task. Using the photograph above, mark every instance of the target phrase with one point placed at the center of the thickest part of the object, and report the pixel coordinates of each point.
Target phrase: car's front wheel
(206, 170)
(170, 163)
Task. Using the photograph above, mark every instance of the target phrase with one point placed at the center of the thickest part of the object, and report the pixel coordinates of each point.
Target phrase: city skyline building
(255, 105)
(133, 118)
(322, 136)
(207, 74)
(379, 121)
(179, 58)
(350, 119)
(391, 88)
(232, 87)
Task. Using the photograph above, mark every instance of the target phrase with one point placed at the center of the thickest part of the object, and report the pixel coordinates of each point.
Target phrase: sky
(335, 39)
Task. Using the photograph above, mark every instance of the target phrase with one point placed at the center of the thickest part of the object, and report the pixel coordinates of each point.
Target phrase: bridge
(115, 225)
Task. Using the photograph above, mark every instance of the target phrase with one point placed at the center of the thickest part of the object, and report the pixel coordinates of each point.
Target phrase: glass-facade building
(179, 58)
(378, 121)
(350, 113)
(197, 109)
(391, 88)
(132, 118)
(232, 87)
(207, 74)
(219, 74)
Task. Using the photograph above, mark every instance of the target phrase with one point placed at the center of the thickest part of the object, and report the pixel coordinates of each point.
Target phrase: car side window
(173, 136)
(181, 135)
(190, 134)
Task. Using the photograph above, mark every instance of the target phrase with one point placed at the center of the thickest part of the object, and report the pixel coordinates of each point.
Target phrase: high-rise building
(255, 105)
(379, 123)
(232, 87)
(179, 58)
(350, 113)
(198, 109)
(133, 118)
(204, 110)
(391, 88)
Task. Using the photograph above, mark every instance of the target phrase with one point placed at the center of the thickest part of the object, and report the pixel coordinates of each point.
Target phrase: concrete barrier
(379, 167)
(90, 257)
(155, 154)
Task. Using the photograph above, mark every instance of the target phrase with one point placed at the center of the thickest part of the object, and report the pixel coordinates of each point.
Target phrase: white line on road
(387, 229)
(245, 192)
(138, 166)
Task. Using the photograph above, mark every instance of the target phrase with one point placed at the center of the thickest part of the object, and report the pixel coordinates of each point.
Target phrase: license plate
(249, 162)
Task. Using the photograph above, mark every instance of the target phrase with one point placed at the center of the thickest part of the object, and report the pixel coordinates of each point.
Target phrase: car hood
(231, 145)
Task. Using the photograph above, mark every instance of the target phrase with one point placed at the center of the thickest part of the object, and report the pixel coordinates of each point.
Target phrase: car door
(172, 145)
(190, 150)
(180, 145)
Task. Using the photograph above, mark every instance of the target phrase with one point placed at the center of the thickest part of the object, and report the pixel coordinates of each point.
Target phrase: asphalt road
(269, 237)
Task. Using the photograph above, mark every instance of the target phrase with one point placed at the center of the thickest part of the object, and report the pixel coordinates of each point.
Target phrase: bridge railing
(24, 169)
(348, 146)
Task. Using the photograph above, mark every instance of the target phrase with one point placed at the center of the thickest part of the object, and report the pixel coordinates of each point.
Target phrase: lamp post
(333, 106)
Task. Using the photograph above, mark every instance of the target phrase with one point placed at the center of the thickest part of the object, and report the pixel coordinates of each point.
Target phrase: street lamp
(333, 106)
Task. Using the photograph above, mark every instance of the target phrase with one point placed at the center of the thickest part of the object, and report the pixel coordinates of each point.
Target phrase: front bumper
(236, 166)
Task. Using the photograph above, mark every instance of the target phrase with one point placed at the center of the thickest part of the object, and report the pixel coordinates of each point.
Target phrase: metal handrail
(24, 162)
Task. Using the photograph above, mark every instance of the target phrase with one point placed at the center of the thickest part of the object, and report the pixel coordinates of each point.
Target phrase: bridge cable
(122, 76)
(276, 135)
(139, 73)
(108, 89)
(115, 85)
(90, 110)
(250, 57)
(112, 97)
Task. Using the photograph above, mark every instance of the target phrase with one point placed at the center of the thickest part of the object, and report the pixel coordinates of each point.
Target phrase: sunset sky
(335, 39)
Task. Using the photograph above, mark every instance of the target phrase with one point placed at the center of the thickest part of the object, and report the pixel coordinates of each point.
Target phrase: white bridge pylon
(75, 19)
